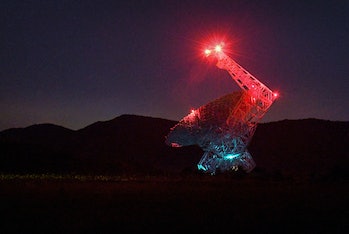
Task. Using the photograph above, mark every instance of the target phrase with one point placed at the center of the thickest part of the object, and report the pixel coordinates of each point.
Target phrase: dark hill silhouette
(306, 147)
(131, 144)
(128, 144)
(37, 148)
(36, 133)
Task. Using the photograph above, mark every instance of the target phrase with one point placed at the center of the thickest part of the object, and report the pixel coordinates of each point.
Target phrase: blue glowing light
(200, 167)
(231, 156)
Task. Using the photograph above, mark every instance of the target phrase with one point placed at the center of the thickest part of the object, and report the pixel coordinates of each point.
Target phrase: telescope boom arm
(247, 82)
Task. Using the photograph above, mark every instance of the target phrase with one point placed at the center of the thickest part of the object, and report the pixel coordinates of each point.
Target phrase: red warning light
(207, 52)
(218, 48)
(214, 49)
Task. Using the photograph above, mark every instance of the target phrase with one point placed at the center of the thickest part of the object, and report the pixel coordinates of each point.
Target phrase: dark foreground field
(210, 205)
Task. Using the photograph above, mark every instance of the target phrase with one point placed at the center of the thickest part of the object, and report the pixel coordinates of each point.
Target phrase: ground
(173, 205)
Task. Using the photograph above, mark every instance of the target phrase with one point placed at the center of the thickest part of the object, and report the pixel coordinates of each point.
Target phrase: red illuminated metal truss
(224, 127)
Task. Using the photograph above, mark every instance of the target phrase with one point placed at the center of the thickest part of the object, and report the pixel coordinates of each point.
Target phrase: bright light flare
(218, 48)
(214, 49)
(207, 52)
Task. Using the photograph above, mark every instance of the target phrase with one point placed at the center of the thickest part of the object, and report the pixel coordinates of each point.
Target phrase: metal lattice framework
(224, 127)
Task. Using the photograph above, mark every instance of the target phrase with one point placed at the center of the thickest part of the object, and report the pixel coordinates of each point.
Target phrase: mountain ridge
(159, 118)
(131, 144)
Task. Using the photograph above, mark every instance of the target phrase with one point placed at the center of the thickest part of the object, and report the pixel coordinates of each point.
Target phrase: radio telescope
(224, 127)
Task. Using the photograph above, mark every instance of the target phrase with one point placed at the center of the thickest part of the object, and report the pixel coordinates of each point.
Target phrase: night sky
(73, 63)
